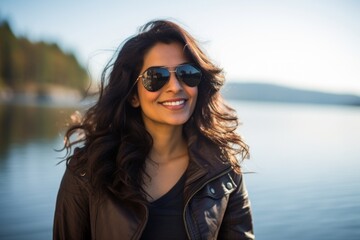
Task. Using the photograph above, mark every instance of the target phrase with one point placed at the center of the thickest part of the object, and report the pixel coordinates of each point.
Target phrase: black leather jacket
(216, 205)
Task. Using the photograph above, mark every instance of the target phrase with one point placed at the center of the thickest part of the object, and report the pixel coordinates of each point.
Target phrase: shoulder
(236, 177)
(71, 215)
(77, 164)
(229, 183)
(74, 182)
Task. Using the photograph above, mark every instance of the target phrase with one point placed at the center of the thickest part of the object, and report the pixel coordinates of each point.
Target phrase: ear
(134, 101)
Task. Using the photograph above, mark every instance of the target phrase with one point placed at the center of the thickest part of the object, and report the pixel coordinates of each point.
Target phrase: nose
(174, 84)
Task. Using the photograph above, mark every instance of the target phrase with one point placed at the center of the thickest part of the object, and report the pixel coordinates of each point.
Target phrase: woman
(159, 153)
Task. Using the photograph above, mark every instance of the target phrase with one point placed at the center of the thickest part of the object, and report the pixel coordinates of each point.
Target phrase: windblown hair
(115, 142)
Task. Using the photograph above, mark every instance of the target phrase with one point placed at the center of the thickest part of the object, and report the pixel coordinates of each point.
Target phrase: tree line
(25, 64)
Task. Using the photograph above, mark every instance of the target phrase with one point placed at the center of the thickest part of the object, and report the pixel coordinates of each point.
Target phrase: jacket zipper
(192, 195)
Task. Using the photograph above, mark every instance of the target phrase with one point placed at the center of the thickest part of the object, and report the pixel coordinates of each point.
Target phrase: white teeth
(176, 103)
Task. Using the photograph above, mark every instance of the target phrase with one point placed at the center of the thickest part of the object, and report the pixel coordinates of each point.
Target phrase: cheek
(146, 97)
(193, 92)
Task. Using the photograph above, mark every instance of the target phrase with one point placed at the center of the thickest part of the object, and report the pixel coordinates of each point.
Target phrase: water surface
(306, 159)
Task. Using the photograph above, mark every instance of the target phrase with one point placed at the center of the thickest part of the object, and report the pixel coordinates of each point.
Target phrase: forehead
(163, 54)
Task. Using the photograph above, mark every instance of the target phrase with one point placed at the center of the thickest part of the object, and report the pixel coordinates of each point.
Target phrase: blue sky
(305, 43)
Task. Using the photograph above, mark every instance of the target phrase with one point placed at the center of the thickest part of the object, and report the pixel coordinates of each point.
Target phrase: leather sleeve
(237, 222)
(71, 220)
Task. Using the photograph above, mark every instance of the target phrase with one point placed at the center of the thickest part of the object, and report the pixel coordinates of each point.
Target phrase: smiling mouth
(174, 103)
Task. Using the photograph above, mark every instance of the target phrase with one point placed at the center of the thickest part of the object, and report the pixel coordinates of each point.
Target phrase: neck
(168, 144)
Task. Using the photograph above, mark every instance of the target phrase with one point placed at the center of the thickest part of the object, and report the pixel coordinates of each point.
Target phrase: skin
(164, 112)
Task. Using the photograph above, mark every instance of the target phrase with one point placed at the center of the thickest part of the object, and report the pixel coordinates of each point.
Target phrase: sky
(311, 44)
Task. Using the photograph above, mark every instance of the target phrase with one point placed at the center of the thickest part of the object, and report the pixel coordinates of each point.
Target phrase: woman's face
(174, 103)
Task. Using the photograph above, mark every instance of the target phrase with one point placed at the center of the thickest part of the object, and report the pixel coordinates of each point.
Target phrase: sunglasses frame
(170, 71)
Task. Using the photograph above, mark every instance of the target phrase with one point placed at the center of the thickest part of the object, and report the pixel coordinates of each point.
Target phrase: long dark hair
(115, 142)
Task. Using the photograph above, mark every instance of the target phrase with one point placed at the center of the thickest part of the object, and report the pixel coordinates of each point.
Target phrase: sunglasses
(154, 78)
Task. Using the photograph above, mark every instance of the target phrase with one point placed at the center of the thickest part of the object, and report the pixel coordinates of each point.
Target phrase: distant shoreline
(49, 95)
(254, 92)
(262, 92)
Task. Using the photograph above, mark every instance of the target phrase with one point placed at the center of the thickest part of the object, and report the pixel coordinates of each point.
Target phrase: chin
(177, 122)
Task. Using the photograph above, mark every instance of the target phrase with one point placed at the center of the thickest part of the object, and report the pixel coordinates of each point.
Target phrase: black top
(166, 215)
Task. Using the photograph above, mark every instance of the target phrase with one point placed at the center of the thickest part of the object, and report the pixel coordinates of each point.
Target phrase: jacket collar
(205, 161)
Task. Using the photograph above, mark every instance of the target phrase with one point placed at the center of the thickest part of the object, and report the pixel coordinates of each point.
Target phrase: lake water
(306, 160)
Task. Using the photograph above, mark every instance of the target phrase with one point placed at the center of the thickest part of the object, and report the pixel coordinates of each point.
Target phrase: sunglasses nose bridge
(172, 72)
(174, 81)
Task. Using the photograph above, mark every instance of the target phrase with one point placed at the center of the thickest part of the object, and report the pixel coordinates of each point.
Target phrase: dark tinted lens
(190, 75)
(155, 78)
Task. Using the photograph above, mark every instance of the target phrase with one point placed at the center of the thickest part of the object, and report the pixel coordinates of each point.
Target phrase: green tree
(24, 63)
